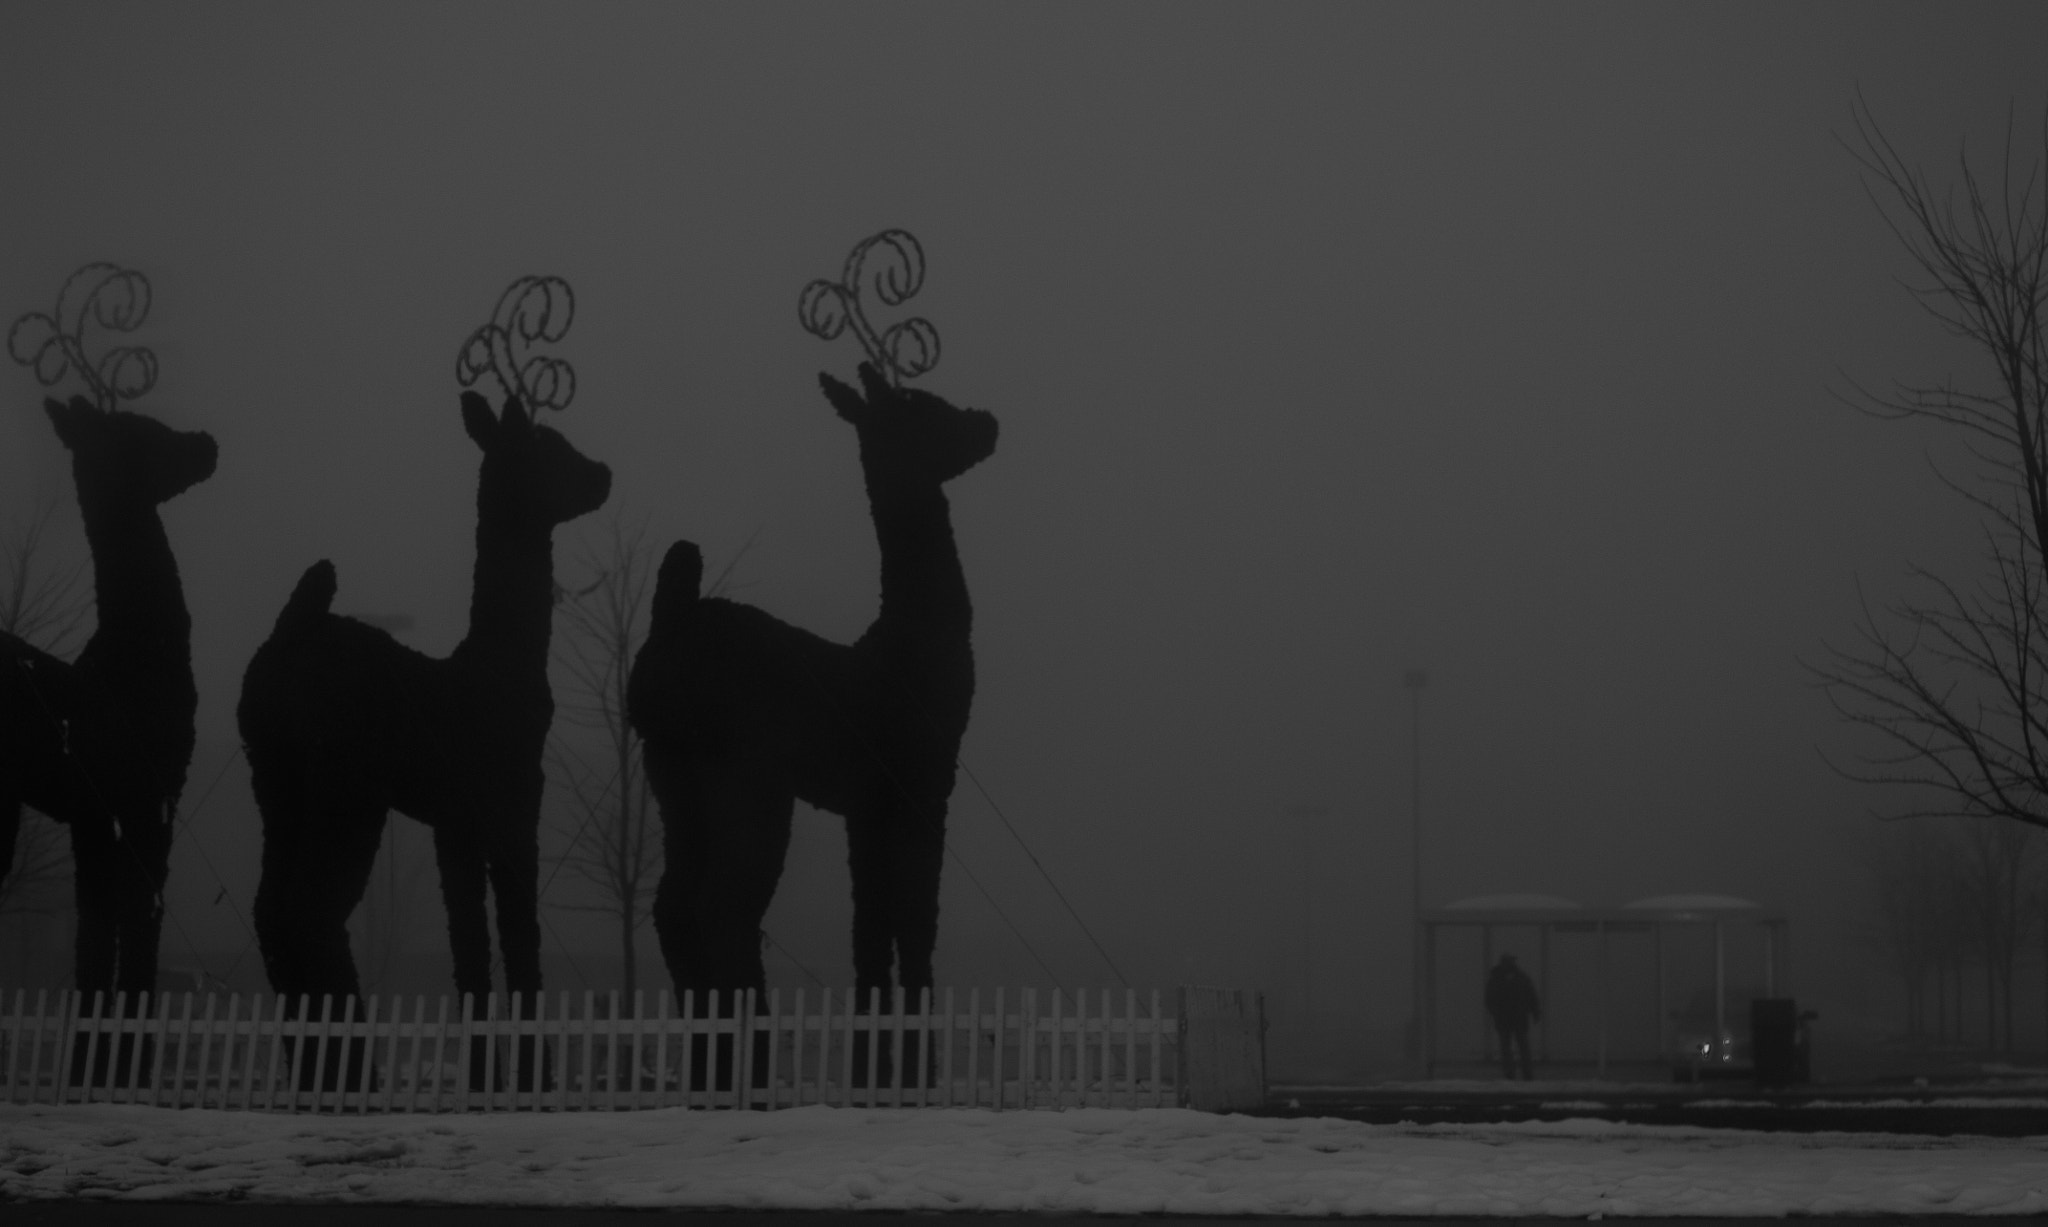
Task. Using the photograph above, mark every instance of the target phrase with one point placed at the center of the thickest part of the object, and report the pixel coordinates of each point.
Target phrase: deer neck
(139, 602)
(511, 598)
(922, 583)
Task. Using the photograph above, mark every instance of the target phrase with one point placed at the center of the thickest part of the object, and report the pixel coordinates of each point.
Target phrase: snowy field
(1077, 1161)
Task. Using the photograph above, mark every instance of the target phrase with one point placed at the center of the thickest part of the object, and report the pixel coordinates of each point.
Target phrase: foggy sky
(1327, 341)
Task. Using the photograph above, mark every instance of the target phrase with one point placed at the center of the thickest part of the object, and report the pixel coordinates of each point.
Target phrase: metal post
(1770, 959)
(1720, 990)
(1601, 929)
(1663, 1010)
(1429, 1001)
(1485, 968)
(1415, 680)
(1543, 988)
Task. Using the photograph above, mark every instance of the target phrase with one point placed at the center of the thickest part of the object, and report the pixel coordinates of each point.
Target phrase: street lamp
(1414, 680)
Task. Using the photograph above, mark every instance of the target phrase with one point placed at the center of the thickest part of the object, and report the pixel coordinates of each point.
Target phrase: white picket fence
(1064, 1049)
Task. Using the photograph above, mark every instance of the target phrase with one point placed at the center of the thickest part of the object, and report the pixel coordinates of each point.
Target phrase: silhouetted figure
(342, 723)
(1512, 1001)
(743, 714)
(128, 701)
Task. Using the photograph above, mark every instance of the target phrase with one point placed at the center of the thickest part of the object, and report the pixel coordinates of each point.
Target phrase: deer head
(908, 435)
(532, 478)
(125, 460)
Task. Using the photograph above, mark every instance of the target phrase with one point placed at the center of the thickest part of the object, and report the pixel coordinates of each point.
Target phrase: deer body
(742, 715)
(342, 723)
(34, 686)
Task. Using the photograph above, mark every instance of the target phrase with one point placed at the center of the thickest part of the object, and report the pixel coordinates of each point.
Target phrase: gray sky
(1327, 341)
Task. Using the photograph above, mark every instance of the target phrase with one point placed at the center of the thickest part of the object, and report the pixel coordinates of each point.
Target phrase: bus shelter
(1607, 990)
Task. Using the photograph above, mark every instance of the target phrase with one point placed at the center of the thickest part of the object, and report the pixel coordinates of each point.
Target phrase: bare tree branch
(41, 601)
(1950, 679)
(614, 847)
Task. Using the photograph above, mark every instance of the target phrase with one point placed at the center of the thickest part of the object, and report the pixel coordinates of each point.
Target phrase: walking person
(1511, 1000)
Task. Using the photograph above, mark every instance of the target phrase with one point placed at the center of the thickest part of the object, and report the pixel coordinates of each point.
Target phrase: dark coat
(1511, 996)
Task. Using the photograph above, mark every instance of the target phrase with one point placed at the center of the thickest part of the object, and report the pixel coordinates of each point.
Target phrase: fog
(1328, 342)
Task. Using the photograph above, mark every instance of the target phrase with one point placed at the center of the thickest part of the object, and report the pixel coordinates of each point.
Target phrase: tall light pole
(1414, 680)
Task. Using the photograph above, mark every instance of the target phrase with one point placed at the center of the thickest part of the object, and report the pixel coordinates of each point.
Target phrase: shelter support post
(1720, 989)
(1600, 930)
(1429, 1000)
(1663, 1006)
(1485, 967)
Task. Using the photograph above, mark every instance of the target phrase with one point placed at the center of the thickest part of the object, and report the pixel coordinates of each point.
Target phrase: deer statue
(342, 723)
(741, 715)
(103, 744)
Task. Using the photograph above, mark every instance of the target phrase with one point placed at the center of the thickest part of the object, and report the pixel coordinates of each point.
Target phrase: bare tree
(1950, 898)
(41, 600)
(1951, 678)
(1908, 871)
(615, 844)
(1996, 858)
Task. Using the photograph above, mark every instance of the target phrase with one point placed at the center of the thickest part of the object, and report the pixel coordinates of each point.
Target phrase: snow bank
(1090, 1160)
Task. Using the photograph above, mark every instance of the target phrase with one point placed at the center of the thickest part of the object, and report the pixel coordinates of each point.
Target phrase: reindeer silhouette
(130, 699)
(742, 714)
(104, 743)
(342, 724)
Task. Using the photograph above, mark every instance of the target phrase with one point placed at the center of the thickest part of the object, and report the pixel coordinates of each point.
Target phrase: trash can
(1774, 1041)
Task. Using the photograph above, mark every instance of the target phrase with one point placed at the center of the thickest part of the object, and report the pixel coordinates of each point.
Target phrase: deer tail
(676, 584)
(311, 599)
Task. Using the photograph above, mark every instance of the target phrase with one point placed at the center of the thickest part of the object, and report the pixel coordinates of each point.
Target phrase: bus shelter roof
(1534, 909)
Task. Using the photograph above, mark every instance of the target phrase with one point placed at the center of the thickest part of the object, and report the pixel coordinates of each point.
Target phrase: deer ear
(478, 419)
(64, 418)
(844, 399)
(515, 415)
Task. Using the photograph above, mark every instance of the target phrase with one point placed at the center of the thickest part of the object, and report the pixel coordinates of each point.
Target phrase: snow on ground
(1089, 1160)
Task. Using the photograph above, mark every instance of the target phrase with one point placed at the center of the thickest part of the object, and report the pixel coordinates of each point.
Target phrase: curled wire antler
(53, 345)
(532, 309)
(903, 351)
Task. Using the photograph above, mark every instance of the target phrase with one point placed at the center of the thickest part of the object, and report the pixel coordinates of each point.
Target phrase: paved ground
(214, 1214)
(1987, 1110)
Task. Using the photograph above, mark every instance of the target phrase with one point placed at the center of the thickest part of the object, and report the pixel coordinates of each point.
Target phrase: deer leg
(142, 864)
(95, 895)
(918, 859)
(868, 854)
(918, 843)
(687, 815)
(318, 849)
(515, 882)
(463, 881)
(10, 829)
(743, 859)
(514, 868)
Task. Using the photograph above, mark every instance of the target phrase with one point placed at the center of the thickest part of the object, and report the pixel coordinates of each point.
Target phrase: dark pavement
(248, 1214)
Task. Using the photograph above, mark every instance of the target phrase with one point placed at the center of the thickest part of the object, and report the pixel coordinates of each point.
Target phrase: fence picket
(19, 1016)
(178, 1071)
(774, 1049)
(150, 1063)
(505, 1039)
(561, 1051)
(1059, 1035)
(1060, 1054)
